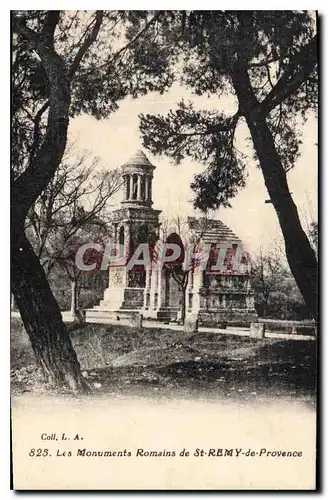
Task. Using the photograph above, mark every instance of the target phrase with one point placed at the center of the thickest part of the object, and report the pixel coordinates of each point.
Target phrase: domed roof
(139, 158)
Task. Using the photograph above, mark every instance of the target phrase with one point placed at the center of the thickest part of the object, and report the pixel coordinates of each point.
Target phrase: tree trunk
(300, 255)
(183, 306)
(38, 308)
(75, 312)
(42, 318)
(265, 304)
(183, 297)
(12, 303)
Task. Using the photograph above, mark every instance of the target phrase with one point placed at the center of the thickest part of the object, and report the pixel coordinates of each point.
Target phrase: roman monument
(214, 298)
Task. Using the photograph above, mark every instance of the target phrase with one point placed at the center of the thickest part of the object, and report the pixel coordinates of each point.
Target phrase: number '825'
(39, 452)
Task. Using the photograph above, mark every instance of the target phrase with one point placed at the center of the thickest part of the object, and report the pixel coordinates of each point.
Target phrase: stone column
(160, 287)
(134, 187)
(143, 188)
(139, 188)
(148, 277)
(130, 186)
(148, 190)
(147, 288)
(127, 239)
(127, 186)
(154, 288)
(115, 231)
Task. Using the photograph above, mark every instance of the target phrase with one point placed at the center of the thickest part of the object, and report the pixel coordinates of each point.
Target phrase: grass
(119, 359)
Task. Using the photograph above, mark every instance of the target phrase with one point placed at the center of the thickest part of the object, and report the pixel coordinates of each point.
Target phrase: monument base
(116, 298)
(233, 317)
(101, 315)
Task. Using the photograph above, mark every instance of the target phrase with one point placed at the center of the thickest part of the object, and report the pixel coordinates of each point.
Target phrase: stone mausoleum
(224, 297)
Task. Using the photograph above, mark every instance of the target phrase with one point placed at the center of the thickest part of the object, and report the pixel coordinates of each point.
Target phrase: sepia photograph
(164, 250)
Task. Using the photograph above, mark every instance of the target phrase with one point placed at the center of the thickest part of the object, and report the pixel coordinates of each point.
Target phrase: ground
(120, 360)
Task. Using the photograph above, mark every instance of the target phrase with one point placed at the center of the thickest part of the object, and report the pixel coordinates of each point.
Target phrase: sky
(117, 138)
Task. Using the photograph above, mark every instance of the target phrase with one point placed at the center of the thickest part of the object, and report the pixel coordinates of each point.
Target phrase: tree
(268, 272)
(64, 63)
(276, 293)
(72, 210)
(267, 60)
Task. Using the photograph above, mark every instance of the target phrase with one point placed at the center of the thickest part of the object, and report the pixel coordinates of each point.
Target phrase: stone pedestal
(136, 320)
(257, 331)
(191, 323)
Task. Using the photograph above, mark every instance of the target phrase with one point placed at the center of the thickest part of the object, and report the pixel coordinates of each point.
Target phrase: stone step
(93, 315)
(167, 314)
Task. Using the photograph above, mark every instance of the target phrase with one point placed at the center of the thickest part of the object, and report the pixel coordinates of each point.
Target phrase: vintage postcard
(164, 241)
